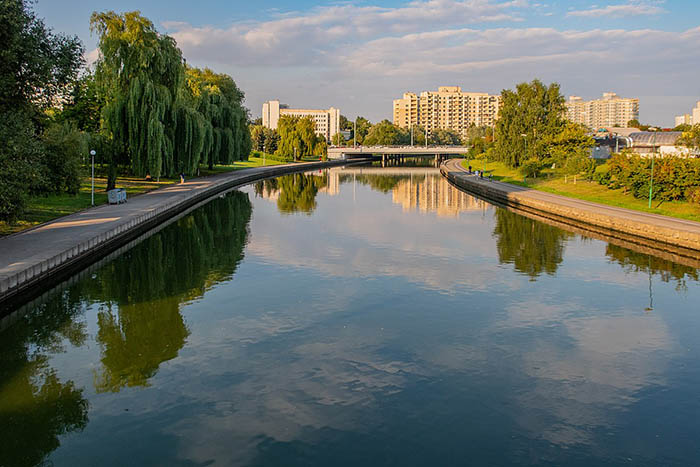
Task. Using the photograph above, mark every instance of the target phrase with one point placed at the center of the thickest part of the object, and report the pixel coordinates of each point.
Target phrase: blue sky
(358, 56)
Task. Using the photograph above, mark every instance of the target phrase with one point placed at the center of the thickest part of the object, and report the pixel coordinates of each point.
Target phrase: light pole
(354, 133)
(92, 195)
(426, 136)
(653, 153)
(525, 136)
(412, 135)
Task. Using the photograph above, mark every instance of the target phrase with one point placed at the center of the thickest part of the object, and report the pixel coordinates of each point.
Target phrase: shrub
(674, 177)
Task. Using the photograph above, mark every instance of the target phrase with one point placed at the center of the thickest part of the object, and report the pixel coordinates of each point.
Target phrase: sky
(360, 55)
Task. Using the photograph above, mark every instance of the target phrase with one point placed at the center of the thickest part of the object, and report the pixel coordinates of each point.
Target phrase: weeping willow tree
(220, 101)
(140, 72)
(167, 117)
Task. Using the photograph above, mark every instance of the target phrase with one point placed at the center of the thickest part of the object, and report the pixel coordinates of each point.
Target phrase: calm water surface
(347, 318)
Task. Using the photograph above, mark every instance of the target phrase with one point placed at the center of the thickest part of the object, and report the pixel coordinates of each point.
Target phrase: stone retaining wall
(676, 234)
(16, 287)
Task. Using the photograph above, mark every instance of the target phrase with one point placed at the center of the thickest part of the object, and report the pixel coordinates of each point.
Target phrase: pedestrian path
(30, 257)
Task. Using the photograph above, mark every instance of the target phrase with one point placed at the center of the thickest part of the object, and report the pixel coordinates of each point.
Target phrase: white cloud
(359, 58)
(632, 8)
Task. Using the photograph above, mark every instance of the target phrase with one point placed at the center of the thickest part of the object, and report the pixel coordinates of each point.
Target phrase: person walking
(182, 177)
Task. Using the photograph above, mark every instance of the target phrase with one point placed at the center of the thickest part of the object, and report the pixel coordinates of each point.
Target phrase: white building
(610, 111)
(692, 118)
(326, 122)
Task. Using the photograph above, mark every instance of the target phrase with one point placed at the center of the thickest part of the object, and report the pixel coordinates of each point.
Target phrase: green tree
(386, 133)
(338, 139)
(37, 69)
(529, 119)
(444, 137)
(140, 72)
(344, 123)
(691, 139)
(362, 127)
(38, 66)
(84, 105)
(65, 147)
(298, 137)
(570, 148)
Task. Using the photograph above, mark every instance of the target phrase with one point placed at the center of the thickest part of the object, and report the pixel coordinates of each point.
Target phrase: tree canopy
(298, 138)
(530, 117)
(386, 133)
(167, 117)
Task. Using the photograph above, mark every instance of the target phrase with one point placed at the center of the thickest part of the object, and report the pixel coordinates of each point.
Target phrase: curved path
(674, 233)
(56, 249)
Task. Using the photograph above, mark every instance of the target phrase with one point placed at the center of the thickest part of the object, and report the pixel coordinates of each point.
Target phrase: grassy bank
(554, 182)
(42, 209)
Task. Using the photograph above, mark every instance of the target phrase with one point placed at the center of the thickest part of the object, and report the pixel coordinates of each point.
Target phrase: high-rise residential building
(693, 118)
(448, 108)
(326, 122)
(610, 111)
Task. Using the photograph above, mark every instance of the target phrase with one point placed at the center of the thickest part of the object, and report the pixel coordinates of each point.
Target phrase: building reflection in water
(415, 189)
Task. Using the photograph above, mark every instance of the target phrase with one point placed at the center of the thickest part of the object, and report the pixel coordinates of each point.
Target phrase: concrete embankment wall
(21, 278)
(675, 235)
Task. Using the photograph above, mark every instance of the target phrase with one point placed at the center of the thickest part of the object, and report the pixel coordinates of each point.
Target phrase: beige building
(448, 108)
(610, 111)
(692, 118)
(326, 122)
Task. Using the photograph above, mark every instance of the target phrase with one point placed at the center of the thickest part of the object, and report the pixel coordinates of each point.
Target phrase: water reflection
(532, 247)
(293, 193)
(36, 406)
(385, 320)
(140, 325)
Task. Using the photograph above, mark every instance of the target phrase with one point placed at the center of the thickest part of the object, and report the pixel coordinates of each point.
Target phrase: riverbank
(579, 188)
(52, 251)
(679, 236)
(42, 209)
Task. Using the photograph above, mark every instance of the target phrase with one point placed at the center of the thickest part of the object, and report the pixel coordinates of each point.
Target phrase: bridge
(391, 154)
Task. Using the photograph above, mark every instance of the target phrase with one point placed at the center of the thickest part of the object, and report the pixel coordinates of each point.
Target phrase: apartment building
(326, 122)
(448, 108)
(693, 118)
(610, 111)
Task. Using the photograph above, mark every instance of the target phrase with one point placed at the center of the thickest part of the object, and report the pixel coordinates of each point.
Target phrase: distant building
(326, 122)
(448, 108)
(610, 111)
(692, 118)
(686, 119)
(661, 143)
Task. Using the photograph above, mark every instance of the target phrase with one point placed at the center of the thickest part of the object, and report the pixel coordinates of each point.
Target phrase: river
(356, 317)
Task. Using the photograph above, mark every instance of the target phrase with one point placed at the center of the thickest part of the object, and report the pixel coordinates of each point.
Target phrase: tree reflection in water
(295, 193)
(532, 247)
(668, 271)
(36, 407)
(140, 324)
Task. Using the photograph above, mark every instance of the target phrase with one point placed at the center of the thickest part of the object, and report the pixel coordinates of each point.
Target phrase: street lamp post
(426, 136)
(354, 133)
(653, 154)
(92, 195)
(412, 135)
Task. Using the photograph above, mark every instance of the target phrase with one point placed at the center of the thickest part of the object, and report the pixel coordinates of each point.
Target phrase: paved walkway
(669, 230)
(27, 258)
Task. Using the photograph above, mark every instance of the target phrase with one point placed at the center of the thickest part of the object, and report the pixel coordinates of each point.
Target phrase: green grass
(557, 183)
(42, 209)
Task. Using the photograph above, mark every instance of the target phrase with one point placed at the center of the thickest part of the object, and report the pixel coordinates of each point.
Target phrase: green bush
(65, 146)
(531, 168)
(674, 177)
(272, 157)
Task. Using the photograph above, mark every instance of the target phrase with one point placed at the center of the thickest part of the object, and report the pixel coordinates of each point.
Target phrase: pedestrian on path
(182, 177)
